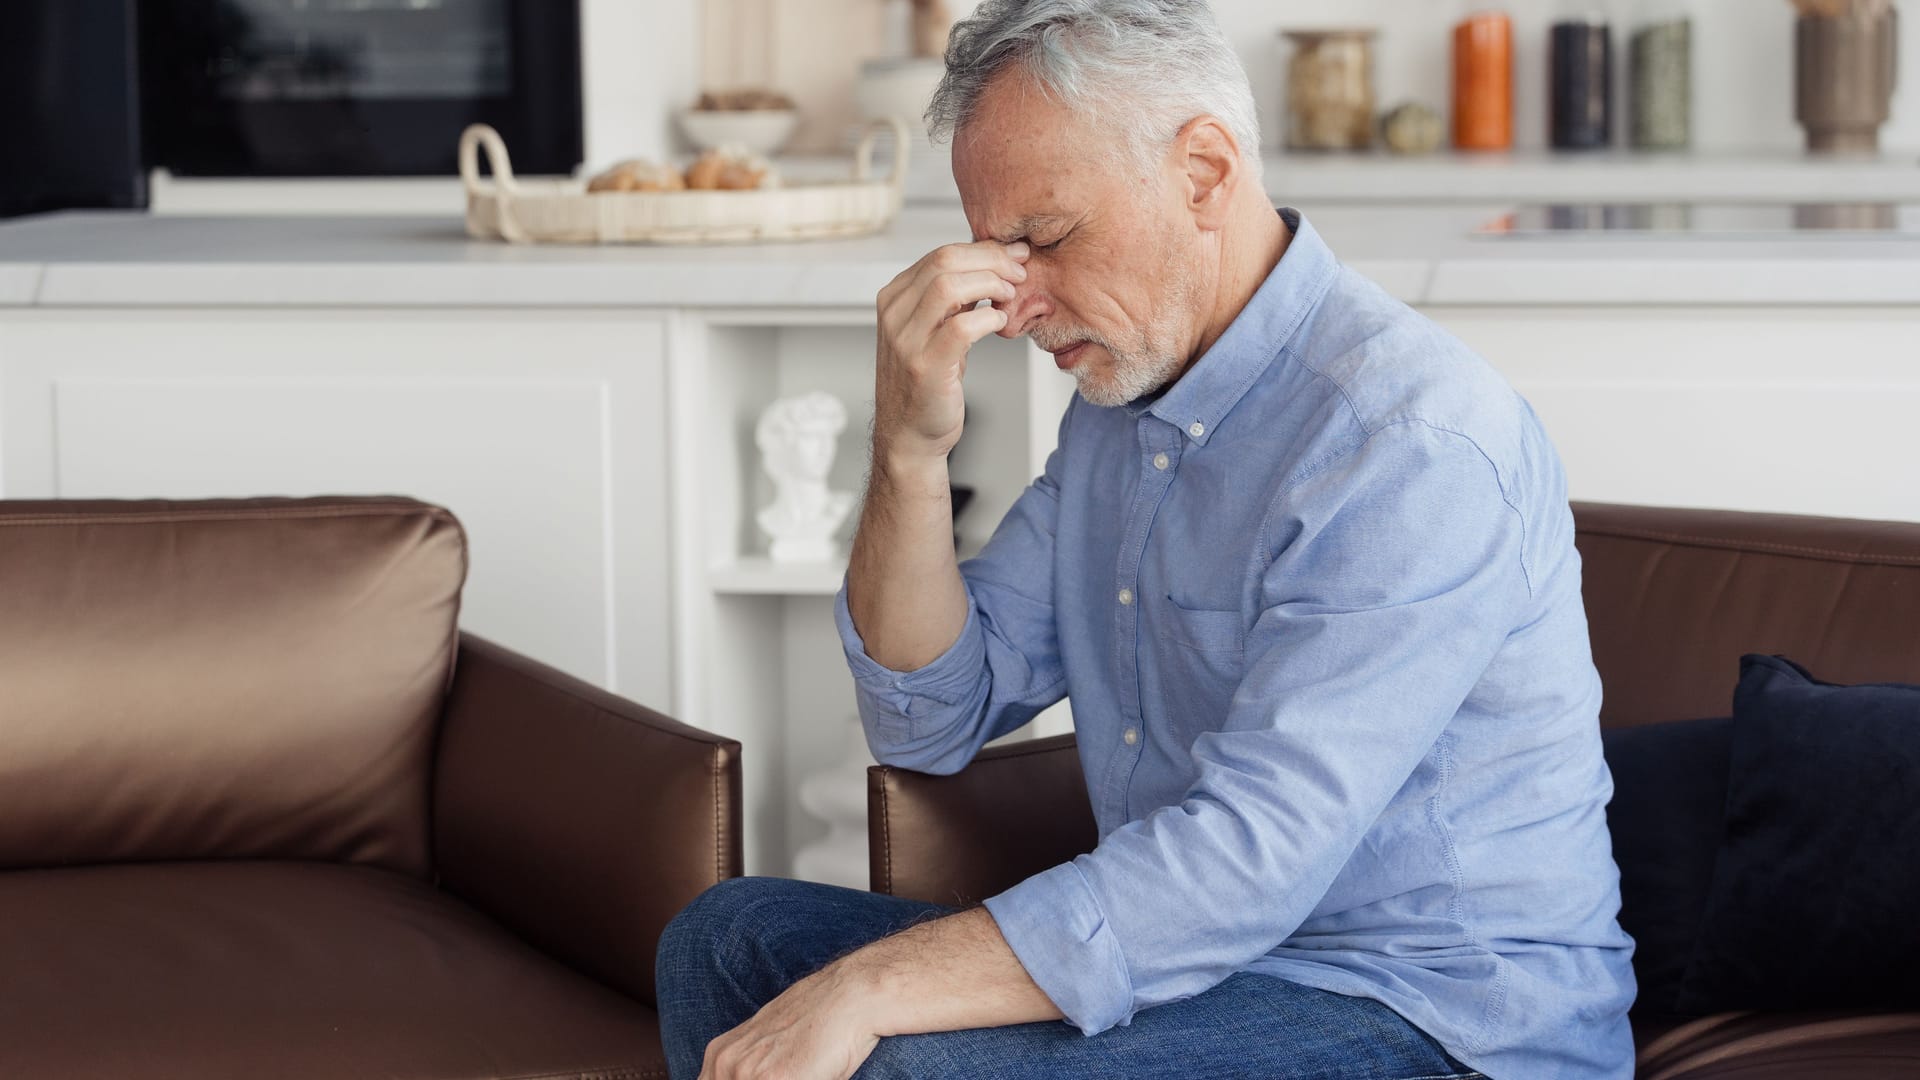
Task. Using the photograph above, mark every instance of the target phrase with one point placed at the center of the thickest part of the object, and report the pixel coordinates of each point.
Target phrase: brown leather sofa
(265, 812)
(1674, 598)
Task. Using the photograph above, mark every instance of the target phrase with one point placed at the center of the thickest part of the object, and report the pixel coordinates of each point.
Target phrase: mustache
(1057, 338)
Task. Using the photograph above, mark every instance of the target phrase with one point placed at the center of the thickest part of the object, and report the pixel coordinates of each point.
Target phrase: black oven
(69, 107)
(357, 87)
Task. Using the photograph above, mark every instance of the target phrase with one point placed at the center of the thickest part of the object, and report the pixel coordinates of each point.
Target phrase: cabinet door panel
(544, 435)
(1794, 411)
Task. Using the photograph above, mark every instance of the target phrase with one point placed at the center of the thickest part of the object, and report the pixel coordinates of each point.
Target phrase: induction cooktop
(1719, 221)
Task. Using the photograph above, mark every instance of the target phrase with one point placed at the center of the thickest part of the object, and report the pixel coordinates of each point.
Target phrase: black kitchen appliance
(69, 107)
(357, 87)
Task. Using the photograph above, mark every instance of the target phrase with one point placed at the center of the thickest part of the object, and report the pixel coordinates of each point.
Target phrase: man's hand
(816, 1030)
(928, 321)
(952, 973)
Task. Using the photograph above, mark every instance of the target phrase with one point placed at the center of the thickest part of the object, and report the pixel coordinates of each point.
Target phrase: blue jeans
(741, 943)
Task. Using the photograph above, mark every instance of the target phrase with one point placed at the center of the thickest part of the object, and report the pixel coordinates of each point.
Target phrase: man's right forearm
(904, 591)
(903, 582)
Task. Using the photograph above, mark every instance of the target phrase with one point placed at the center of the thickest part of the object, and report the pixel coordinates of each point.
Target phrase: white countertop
(1425, 255)
(1616, 175)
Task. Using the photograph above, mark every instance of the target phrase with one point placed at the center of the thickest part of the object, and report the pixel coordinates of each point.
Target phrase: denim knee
(699, 940)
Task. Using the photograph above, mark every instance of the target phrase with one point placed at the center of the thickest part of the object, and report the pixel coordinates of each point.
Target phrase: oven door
(67, 66)
(357, 87)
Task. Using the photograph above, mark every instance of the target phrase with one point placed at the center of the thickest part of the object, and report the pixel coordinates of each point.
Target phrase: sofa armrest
(1015, 811)
(581, 821)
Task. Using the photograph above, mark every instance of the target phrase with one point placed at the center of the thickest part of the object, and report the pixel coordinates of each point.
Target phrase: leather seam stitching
(886, 838)
(617, 1073)
(155, 517)
(1754, 545)
(719, 827)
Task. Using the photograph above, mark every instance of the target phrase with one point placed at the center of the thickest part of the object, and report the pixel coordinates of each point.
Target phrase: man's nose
(1028, 304)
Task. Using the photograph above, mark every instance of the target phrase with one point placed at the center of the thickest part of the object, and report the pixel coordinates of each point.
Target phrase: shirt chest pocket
(1200, 657)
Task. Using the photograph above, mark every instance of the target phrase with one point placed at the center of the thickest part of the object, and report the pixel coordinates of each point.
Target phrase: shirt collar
(1216, 383)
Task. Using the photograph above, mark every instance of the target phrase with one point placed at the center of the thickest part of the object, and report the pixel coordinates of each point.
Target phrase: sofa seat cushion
(285, 969)
(1779, 1046)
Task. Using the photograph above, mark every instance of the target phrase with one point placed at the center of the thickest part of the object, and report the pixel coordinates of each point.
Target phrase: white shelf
(761, 576)
(1616, 175)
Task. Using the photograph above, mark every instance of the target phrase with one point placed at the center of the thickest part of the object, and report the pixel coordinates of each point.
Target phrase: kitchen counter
(1425, 255)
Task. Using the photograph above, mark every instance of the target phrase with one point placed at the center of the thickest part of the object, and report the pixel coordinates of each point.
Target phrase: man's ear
(1213, 170)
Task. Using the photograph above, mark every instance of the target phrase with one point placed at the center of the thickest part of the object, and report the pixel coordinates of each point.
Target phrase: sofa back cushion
(1817, 880)
(1675, 597)
(232, 678)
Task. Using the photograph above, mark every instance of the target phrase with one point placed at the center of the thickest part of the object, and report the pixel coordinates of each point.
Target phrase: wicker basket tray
(562, 212)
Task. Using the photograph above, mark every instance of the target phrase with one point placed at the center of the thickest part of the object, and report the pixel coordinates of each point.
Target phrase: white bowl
(762, 131)
(900, 87)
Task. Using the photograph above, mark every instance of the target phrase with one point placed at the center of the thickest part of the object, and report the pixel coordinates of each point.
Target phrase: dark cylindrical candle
(1582, 58)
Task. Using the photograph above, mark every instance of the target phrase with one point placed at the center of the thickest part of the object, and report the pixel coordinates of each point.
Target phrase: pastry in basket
(731, 168)
(638, 174)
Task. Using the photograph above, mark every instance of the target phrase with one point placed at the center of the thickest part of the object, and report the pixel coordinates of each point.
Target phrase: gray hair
(1149, 65)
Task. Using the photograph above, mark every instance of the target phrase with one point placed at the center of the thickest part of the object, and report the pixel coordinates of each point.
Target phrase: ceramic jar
(1330, 89)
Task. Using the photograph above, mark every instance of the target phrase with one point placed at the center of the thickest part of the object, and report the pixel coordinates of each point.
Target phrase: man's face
(1113, 284)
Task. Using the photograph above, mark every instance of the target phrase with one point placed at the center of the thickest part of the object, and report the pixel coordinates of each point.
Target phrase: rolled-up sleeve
(1001, 671)
(1397, 573)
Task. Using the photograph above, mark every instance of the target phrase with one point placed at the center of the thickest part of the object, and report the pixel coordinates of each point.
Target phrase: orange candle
(1483, 82)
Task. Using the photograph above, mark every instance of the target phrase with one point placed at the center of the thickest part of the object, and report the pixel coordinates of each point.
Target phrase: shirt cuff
(1056, 927)
(949, 680)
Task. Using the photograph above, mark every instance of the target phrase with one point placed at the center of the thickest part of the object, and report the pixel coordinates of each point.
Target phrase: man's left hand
(816, 1030)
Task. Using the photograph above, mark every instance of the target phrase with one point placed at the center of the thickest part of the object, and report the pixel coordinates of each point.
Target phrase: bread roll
(638, 175)
(704, 174)
(731, 168)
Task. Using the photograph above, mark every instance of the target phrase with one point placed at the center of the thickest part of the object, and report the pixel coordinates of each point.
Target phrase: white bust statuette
(797, 437)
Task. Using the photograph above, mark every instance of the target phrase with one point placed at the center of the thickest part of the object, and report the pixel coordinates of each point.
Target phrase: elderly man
(1304, 566)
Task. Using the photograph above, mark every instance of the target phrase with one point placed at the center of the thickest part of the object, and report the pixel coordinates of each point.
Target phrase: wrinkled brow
(1019, 229)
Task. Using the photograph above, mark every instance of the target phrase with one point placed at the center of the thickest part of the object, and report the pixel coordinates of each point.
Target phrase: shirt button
(1130, 736)
(1198, 429)
(1160, 462)
(1126, 597)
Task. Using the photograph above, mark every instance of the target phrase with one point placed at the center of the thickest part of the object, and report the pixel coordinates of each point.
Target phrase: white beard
(1149, 362)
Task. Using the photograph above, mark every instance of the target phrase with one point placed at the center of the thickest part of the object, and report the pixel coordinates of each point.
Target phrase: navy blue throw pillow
(1816, 896)
(1669, 795)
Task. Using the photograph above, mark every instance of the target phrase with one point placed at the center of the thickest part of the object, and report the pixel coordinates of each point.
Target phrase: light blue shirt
(1317, 607)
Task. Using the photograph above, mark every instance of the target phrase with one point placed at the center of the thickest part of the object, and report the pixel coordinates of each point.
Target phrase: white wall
(641, 63)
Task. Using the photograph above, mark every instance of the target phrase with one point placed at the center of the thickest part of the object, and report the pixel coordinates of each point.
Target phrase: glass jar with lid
(1330, 104)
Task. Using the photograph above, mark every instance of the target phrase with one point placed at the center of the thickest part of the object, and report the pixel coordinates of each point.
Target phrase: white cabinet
(544, 432)
(1791, 410)
(604, 466)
